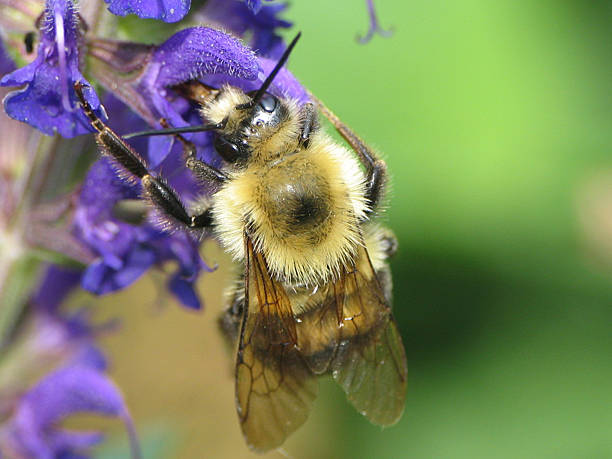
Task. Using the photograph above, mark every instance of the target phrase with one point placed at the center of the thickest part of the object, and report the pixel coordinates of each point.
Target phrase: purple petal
(102, 189)
(166, 10)
(47, 102)
(56, 284)
(39, 104)
(95, 278)
(199, 51)
(6, 63)
(237, 17)
(265, 41)
(70, 390)
(374, 25)
(184, 291)
(65, 440)
(74, 389)
(91, 357)
(185, 249)
(254, 5)
(285, 84)
(189, 54)
(159, 148)
(100, 278)
(136, 264)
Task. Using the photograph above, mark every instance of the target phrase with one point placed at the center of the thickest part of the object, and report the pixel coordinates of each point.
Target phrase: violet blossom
(374, 27)
(195, 53)
(143, 77)
(6, 64)
(254, 5)
(126, 251)
(78, 384)
(140, 82)
(166, 10)
(78, 388)
(191, 53)
(47, 102)
(238, 18)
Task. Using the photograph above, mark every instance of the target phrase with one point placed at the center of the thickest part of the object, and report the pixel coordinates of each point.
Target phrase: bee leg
(202, 171)
(231, 320)
(375, 185)
(310, 122)
(376, 167)
(159, 193)
(388, 243)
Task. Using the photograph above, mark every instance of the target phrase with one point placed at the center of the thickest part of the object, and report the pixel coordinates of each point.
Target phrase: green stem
(20, 277)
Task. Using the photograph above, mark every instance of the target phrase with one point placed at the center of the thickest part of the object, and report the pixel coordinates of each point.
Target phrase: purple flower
(77, 385)
(198, 51)
(238, 18)
(189, 54)
(56, 285)
(374, 25)
(6, 63)
(68, 338)
(285, 84)
(254, 5)
(81, 388)
(166, 10)
(47, 102)
(126, 251)
(265, 41)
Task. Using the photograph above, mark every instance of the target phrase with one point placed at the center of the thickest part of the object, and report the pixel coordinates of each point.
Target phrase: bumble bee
(294, 207)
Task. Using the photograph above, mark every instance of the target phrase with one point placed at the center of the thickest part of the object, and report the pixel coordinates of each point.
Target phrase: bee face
(246, 124)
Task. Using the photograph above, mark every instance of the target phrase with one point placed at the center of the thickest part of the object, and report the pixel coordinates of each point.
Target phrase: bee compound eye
(228, 150)
(268, 102)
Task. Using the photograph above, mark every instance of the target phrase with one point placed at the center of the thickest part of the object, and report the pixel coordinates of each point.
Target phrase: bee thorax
(298, 208)
(301, 211)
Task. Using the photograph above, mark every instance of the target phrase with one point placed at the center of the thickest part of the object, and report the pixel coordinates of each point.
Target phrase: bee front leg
(156, 189)
(204, 172)
(310, 122)
(376, 167)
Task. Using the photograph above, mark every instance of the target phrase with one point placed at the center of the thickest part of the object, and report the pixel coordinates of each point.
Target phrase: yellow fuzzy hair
(266, 142)
(224, 105)
(374, 237)
(290, 260)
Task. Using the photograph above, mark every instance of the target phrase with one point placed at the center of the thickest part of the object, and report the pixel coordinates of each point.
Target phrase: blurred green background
(496, 121)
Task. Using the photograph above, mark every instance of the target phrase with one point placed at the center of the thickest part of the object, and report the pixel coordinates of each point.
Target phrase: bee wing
(349, 330)
(369, 362)
(274, 387)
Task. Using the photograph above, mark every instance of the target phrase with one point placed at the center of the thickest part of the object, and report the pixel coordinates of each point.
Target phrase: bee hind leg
(231, 319)
(376, 168)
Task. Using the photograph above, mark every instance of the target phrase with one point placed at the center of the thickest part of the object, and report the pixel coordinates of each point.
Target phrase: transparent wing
(349, 330)
(275, 388)
(370, 362)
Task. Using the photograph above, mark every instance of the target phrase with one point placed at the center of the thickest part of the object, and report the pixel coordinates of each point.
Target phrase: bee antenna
(179, 130)
(261, 91)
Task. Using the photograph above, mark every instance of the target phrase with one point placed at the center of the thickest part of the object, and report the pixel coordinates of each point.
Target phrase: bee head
(240, 120)
(244, 124)
(247, 118)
